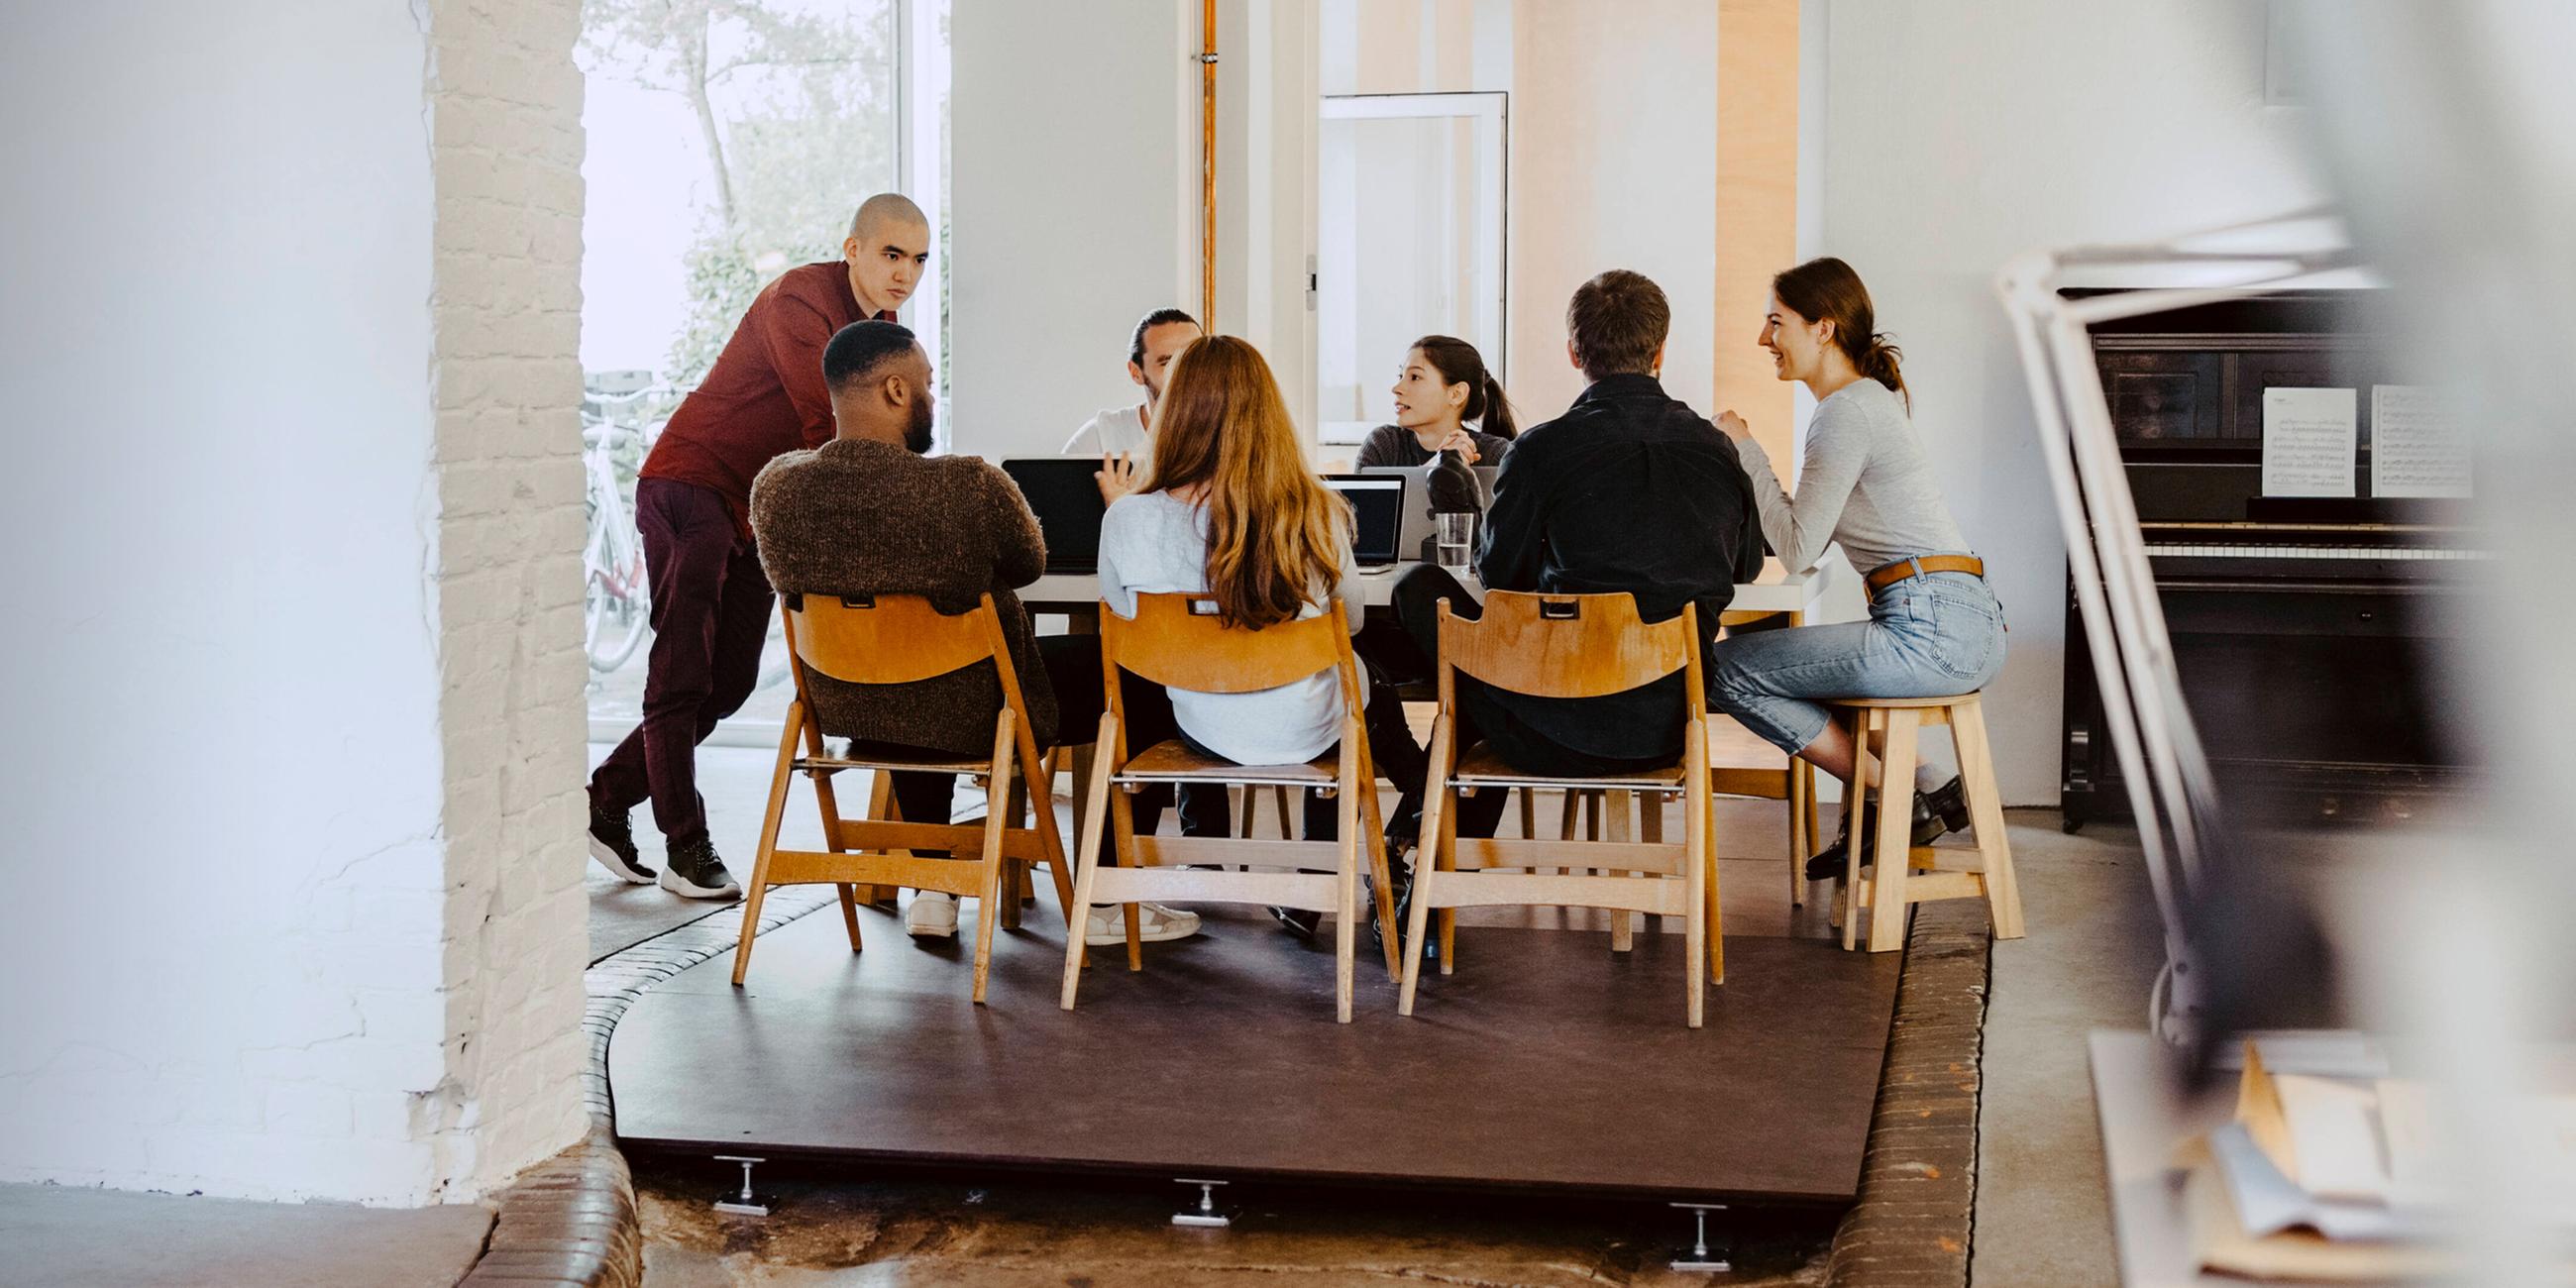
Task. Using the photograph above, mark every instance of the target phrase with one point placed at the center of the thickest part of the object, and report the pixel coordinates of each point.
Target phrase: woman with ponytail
(1934, 627)
(1444, 385)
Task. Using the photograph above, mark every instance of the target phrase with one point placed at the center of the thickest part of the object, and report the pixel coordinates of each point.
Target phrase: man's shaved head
(884, 208)
(888, 250)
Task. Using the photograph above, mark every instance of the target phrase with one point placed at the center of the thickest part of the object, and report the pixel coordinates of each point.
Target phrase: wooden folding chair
(1172, 642)
(1568, 646)
(898, 639)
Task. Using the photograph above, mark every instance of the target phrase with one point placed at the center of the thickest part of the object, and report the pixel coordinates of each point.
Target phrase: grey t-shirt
(1866, 484)
(1156, 543)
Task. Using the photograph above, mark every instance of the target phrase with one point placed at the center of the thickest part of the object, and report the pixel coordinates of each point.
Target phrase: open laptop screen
(1066, 499)
(1377, 502)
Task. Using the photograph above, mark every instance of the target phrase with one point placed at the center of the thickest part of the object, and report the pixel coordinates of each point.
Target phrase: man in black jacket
(1629, 490)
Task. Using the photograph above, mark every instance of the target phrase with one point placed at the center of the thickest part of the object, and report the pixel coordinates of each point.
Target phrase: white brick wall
(505, 133)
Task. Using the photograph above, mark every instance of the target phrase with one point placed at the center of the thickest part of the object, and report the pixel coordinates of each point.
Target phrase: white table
(1777, 590)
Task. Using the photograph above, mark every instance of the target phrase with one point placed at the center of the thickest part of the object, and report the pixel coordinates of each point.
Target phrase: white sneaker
(933, 915)
(1155, 924)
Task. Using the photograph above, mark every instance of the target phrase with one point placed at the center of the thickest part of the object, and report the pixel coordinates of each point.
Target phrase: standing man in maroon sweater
(765, 395)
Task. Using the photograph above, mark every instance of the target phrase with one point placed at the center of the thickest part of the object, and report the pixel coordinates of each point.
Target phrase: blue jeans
(1931, 636)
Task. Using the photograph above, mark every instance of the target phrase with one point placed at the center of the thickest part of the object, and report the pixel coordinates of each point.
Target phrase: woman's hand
(1461, 442)
(1733, 426)
(1116, 477)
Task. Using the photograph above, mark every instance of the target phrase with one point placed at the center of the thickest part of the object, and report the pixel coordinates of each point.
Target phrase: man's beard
(917, 435)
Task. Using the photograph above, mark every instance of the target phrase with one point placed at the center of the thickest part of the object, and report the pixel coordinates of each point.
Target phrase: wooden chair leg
(1529, 812)
(1346, 885)
(1279, 797)
(1448, 863)
(1698, 881)
(1015, 872)
(1986, 809)
(1050, 835)
(1716, 905)
(1095, 820)
(1887, 912)
(1427, 867)
(758, 887)
(828, 803)
(1622, 807)
(997, 823)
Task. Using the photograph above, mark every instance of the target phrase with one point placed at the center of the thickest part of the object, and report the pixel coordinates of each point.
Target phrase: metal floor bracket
(1699, 1256)
(744, 1203)
(1205, 1216)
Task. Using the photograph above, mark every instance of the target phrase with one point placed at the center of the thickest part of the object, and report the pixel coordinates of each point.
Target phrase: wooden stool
(1946, 872)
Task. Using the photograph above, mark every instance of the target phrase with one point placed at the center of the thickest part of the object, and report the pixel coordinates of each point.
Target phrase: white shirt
(1114, 430)
(1157, 544)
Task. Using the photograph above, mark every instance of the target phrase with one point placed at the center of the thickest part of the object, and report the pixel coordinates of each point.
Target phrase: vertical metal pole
(1207, 164)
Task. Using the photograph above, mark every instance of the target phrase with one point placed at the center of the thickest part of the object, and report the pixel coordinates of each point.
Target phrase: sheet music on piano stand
(2171, 790)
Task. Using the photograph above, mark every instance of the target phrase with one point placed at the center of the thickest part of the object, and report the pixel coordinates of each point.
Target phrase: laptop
(1066, 499)
(1378, 506)
(1420, 534)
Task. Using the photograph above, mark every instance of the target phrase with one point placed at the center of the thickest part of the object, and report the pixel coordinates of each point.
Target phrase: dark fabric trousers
(1481, 717)
(710, 618)
(1392, 752)
(1073, 668)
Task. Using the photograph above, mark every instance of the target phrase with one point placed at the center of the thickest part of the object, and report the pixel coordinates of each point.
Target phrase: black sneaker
(612, 842)
(694, 872)
(1930, 821)
(1301, 922)
(1949, 802)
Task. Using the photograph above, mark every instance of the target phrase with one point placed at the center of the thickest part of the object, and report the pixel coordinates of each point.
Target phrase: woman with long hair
(1231, 511)
(1934, 627)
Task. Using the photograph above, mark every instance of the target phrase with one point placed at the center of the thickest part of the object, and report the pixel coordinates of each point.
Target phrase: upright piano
(2305, 630)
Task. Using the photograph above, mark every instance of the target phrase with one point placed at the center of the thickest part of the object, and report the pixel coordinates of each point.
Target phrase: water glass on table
(1455, 539)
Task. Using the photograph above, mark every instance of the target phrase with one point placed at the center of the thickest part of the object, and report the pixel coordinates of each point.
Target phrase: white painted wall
(1956, 134)
(228, 814)
(223, 784)
(1074, 172)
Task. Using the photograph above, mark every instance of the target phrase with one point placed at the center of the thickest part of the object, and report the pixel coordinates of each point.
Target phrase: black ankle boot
(1931, 819)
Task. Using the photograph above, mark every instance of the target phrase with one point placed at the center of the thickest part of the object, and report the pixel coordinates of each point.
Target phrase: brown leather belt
(1905, 569)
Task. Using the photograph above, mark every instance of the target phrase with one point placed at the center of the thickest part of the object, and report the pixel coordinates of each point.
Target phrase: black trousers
(1392, 752)
(1072, 665)
(1417, 597)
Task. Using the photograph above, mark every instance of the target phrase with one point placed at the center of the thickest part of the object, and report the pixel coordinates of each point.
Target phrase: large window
(1409, 242)
(729, 140)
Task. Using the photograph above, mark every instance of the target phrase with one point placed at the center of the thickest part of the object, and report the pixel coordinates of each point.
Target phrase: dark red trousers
(710, 618)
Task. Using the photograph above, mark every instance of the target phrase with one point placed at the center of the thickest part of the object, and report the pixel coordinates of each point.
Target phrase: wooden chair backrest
(889, 639)
(1173, 646)
(1568, 646)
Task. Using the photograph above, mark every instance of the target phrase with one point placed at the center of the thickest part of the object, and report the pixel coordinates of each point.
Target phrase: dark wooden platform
(1546, 1063)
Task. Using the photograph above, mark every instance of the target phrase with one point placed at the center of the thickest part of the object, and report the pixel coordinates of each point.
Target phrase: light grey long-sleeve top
(1866, 484)
(1155, 543)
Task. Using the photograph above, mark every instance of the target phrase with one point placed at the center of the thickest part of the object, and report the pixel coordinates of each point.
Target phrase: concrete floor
(63, 1237)
(2040, 1216)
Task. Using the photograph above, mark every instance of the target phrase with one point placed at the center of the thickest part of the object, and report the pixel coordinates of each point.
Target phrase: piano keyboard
(2310, 552)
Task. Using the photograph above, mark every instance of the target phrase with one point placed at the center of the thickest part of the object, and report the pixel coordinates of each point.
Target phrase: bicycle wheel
(613, 620)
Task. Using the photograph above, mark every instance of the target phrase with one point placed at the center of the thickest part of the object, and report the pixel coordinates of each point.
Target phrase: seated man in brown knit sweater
(868, 514)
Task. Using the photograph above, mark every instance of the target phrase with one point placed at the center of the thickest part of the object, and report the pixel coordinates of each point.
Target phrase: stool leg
(1855, 785)
(1986, 809)
(1895, 833)
(1802, 841)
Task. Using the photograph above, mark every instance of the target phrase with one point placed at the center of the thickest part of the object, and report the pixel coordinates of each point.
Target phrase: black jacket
(1628, 490)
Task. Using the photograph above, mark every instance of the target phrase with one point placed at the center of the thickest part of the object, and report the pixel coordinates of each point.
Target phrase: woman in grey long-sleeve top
(1934, 627)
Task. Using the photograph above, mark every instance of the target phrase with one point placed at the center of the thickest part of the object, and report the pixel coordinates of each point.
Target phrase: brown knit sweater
(854, 517)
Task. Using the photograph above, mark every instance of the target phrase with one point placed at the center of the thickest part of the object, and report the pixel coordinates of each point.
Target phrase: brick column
(504, 123)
